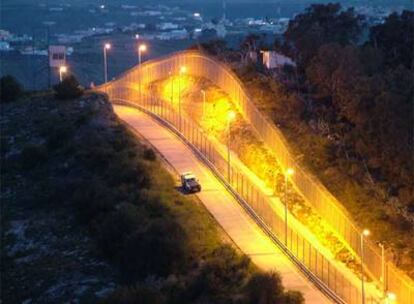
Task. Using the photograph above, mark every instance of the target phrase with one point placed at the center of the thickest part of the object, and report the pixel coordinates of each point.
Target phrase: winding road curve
(244, 232)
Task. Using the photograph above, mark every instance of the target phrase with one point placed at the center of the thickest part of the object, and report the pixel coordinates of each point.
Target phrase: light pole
(364, 233)
(107, 47)
(141, 48)
(204, 101)
(289, 172)
(230, 117)
(62, 70)
(382, 266)
(183, 70)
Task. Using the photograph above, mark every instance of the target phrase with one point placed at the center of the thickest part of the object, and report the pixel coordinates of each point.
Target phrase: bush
(159, 250)
(133, 295)
(294, 297)
(33, 155)
(149, 154)
(265, 288)
(10, 89)
(69, 88)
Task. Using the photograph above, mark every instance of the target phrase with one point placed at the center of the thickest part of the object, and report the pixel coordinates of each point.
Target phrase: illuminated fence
(128, 87)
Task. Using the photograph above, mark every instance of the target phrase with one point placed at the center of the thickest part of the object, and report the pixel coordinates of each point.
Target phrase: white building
(173, 35)
(274, 60)
(5, 46)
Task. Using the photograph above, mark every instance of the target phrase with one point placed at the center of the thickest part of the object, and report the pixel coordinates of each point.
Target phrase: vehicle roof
(188, 175)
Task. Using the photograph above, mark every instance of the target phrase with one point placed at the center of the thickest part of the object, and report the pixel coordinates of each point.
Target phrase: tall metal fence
(129, 87)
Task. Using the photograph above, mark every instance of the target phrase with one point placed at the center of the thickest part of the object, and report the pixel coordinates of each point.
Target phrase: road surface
(244, 232)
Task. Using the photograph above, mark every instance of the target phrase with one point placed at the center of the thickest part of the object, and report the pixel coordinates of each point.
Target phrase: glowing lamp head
(107, 46)
(366, 232)
(290, 172)
(142, 47)
(183, 70)
(63, 69)
(197, 15)
(231, 115)
(137, 36)
(391, 297)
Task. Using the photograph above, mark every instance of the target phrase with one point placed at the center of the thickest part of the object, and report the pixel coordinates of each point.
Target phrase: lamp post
(107, 47)
(382, 266)
(62, 70)
(230, 117)
(183, 70)
(141, 48)
(365, 233)
(289, 172)
(204, 101)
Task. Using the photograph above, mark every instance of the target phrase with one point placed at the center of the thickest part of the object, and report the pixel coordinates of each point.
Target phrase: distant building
(275, 60)
(173, 35)
(5, 46)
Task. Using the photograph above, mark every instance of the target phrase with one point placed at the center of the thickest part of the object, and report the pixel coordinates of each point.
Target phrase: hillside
(90, 214)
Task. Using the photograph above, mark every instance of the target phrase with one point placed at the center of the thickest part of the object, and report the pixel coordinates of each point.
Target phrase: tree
(265, 288)
(10, 89)
(395, 38)
(319, 25)
(69, 88)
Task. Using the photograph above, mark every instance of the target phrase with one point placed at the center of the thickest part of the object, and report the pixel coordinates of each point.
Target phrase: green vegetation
(10, 89)
(81, 160)
(69, 88)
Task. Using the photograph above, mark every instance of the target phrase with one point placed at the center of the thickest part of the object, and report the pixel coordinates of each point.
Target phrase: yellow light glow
(107, 46)
(366, 232)
(142, 47)
(63, 69)
(231, 115)
(183, 70)
(290, 171)
(391, 297)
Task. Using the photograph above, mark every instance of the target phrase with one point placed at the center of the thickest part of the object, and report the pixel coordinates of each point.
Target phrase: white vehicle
(190, 183)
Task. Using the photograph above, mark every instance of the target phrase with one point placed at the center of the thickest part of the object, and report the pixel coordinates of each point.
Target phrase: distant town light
(102, 6)
(137, 36)
(197, 15)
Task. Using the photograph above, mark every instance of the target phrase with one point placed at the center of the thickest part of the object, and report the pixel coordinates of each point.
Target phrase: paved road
(239, 226)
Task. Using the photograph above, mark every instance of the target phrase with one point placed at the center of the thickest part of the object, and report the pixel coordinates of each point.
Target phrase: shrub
(224, 273)
(293, 297)
(159, 250)
(32, 155)
(134, 295)
(10, 89)
(149, 154)
(69, 88)
(265, 288)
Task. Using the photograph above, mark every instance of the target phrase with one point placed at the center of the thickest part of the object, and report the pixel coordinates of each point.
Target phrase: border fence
(129, 86)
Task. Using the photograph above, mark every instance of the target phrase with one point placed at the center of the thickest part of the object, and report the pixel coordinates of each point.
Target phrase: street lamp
(230, 117)
(107, 47)
(204, 101)
(364, 233)
(288, 172)
(183, 70)
(62, 70)
(141, 48)
(390, 298)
